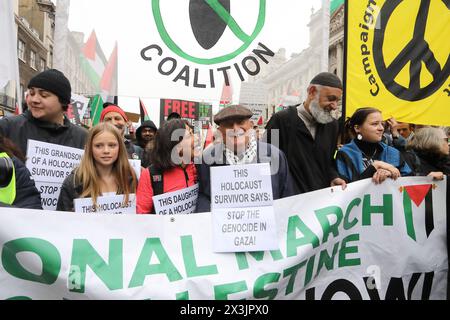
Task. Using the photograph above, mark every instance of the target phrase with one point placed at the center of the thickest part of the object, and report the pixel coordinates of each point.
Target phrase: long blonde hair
(87, 173)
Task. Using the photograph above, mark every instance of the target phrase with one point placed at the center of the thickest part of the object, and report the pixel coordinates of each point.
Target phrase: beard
(322, 115)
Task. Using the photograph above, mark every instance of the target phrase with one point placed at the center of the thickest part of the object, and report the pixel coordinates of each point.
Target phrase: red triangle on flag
(261, 121)
(17, 110)
(90, 47)
(209, 137)
(110, 73)
(418, 193)
(144, 114)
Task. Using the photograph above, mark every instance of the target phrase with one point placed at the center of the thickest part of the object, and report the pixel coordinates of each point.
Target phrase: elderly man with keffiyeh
(238, 145)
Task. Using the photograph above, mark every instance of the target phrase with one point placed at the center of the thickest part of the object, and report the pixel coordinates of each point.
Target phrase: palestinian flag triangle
(144, 114)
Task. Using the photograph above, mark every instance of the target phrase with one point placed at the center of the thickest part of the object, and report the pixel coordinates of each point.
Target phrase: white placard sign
(178, 202)
(107, 204)
(241, 186)
(51, 162)
(136, 165)
(244, 230)
(49, 194)
(242, 208)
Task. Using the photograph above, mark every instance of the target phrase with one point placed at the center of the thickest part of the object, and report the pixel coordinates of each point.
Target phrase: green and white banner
(367, 242)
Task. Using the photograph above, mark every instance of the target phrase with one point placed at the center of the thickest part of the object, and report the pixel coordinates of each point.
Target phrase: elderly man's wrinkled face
(236, 134)
(326, 104)
(116, 120)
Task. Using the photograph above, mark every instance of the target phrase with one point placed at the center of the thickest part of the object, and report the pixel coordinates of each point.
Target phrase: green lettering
(325, 259)
(83, 254)
(292, 242)
(222, 291)
(322, 216)
(47, 252)
(348, 225)
(343, 261)
(309, 270)
(386, 209)
(190, 263)
(259, 292)
(292, 272)
(144, 268)
(183, 296)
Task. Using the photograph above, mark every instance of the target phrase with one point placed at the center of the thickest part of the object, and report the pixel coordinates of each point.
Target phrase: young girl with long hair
(104, 169)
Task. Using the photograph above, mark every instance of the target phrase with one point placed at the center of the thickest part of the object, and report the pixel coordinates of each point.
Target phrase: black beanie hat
(55, 82)
(327, 79)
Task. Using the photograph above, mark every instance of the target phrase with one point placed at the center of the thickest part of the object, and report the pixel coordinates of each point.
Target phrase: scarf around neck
(247, 157)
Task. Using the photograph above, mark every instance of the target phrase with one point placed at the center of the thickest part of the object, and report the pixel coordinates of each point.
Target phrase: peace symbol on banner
(417, 51)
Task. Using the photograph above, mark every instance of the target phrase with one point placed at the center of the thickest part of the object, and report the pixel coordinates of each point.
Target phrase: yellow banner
(398, 59)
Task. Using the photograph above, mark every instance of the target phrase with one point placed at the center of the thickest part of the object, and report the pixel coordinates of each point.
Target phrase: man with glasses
(308, 134)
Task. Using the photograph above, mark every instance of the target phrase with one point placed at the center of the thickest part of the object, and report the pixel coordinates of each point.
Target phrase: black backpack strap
(157, 180)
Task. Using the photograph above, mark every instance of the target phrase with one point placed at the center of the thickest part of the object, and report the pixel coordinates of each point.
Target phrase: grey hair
(427, 140)
(318, 87)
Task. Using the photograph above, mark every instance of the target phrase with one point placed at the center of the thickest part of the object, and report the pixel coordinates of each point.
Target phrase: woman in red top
(172, 168)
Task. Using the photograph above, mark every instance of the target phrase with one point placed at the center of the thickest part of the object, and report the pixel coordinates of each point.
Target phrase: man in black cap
(308, 134)
(239, 146)
(48, 98)
(145, 136)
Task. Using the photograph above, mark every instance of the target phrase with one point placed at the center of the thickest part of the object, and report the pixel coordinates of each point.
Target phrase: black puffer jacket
(70, 190)
(19, 129)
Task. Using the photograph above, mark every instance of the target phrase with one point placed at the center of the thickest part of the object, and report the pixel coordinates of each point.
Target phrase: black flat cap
(327, 79)
(235, 112)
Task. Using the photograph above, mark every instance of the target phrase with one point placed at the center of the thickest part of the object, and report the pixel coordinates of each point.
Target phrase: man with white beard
(308, 134)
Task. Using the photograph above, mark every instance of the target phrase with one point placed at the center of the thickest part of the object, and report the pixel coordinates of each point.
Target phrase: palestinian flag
(93, 61)
(144, 114)
(209, 137)
(415, 197)
(109, 81)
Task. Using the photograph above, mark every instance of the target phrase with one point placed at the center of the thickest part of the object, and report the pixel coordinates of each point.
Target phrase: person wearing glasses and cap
(239, 146)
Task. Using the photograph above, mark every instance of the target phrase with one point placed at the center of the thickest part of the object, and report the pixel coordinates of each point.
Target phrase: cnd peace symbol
(416, 51)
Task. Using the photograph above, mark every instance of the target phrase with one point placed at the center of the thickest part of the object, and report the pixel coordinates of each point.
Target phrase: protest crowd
(305, 146)
(311, 153)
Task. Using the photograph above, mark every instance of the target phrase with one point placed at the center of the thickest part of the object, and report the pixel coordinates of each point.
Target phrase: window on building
(22, 92)
(21, 50)
(50, 57)
(42, 65)
(33, 59)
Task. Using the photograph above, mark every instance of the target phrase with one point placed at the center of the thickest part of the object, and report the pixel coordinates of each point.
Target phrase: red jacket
(174, 179)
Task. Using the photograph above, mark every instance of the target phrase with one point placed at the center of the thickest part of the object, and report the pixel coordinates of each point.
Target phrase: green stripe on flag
(96, 109)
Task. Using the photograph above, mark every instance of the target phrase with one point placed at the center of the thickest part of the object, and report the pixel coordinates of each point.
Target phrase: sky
(132, 25)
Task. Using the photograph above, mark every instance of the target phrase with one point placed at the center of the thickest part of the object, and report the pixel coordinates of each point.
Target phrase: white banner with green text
(366, 242)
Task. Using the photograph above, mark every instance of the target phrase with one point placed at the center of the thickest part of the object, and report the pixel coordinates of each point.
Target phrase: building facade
(286, 80)
(35, 23)
(36, 26)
